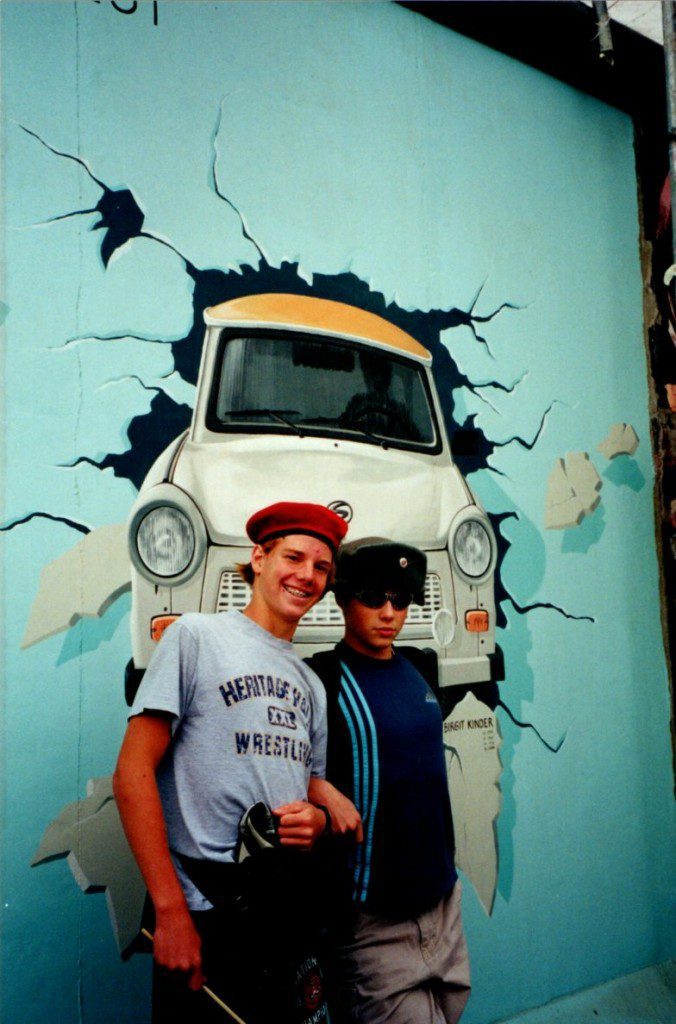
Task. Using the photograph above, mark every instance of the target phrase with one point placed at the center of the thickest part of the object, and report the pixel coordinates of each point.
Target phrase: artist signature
(131, 6)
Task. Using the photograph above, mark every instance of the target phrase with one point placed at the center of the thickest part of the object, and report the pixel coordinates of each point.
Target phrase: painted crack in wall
(21, 520)
(215, 186)
(553, 747)
(121, 218)
(524, 609)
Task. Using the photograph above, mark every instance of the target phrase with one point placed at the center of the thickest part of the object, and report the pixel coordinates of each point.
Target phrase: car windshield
(320, 386)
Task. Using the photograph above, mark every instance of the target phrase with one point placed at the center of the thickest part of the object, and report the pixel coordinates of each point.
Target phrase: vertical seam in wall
(76, 429)
(430, 243)
(3, 450)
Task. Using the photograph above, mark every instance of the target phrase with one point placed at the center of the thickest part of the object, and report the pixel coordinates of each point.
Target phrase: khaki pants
(406, 972)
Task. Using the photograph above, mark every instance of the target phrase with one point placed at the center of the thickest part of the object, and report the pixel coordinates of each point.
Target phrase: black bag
(268, 906)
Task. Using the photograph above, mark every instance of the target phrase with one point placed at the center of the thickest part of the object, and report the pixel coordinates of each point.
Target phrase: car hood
(391, 493)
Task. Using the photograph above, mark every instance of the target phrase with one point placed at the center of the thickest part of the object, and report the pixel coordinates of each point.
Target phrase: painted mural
(162, 158)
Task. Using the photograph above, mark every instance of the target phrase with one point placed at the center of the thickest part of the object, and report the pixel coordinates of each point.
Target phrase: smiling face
(372, 631)
(289, 578)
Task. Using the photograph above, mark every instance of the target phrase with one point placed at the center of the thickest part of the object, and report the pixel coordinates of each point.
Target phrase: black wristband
(327, 814)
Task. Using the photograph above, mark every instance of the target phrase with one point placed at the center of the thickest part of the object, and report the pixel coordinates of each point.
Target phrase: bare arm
(344, 815)
(177, 945)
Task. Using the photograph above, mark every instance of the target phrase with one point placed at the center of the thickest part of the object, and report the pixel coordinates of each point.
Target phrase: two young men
(227, 716)
(202, 747)
(402, 956)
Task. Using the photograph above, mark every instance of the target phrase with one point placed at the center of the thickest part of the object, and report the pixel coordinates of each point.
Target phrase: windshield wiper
(275, 414)
(366, 433)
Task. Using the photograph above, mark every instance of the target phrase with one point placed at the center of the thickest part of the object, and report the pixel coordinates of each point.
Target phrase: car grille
(233, 593)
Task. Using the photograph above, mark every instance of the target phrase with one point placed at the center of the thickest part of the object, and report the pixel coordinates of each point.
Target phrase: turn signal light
(159, 624)
(476, 621)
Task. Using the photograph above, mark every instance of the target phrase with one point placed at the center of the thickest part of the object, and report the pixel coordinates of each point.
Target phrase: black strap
(217, 881)
(264, 887)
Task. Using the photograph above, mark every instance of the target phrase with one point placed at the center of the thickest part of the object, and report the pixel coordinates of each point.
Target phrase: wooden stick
(205, 988)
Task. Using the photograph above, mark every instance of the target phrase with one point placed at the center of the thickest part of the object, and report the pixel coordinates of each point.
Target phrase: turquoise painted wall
(363, 144)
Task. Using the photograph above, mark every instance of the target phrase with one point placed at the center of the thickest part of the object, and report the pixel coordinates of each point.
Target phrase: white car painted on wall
(308, 399)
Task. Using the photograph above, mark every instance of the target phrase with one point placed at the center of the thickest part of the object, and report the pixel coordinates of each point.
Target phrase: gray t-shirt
(249, 724)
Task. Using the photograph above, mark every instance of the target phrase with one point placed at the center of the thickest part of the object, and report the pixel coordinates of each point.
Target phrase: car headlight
(472, 548)
(165, 540)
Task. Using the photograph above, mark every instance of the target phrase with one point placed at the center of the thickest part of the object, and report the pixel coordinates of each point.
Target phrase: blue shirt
(394, 769)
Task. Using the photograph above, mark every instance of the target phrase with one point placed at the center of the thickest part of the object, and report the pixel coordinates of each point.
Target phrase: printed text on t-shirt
(245, 687)
(266, 745)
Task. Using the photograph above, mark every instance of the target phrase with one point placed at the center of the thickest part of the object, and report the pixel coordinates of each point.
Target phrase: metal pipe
(669, 27)
(605, 35)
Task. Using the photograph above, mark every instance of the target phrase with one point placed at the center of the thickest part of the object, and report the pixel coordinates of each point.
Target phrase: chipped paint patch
(89, 833)
(572, 491)
(621, 439)
(82, 582)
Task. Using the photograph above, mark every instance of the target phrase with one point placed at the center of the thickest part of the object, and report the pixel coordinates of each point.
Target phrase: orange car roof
(309, 313)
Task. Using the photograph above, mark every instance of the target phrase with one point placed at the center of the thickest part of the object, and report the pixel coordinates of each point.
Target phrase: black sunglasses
(373, 598)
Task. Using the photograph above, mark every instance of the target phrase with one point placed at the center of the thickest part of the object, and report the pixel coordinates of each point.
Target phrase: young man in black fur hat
(401, 954)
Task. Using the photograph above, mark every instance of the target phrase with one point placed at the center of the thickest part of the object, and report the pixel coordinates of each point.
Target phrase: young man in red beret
(228, 716)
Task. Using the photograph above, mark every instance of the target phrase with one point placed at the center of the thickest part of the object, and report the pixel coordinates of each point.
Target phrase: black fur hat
(378, 562)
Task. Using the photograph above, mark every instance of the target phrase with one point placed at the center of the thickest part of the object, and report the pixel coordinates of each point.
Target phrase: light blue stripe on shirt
(371, 775)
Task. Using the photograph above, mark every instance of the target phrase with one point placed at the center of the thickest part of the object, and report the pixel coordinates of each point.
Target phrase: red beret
(296, 517)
